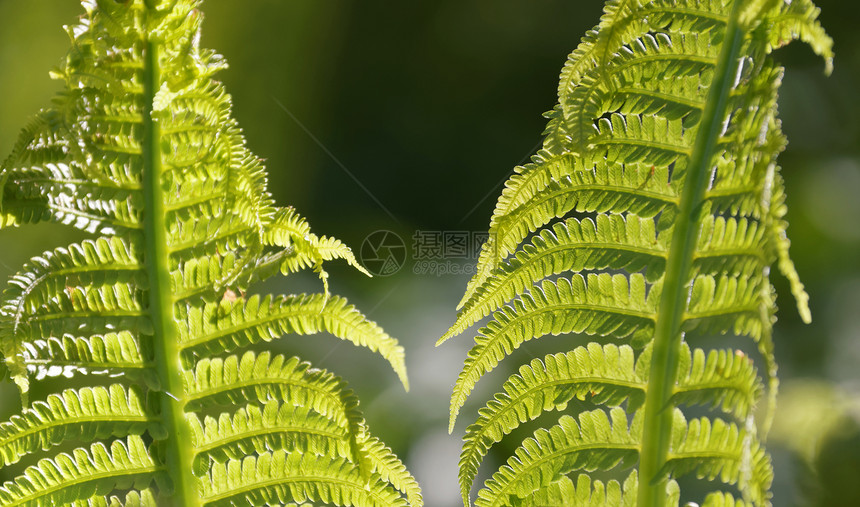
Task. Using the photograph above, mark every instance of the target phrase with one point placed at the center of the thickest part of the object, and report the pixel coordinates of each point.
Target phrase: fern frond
(731, 245)
(563, 185)
(720, 499)
(265, 377)
(586, 189)
(111, 354)
(724, 378)
(391, 469)
(593, 444)
(102, 262)
(641, 138)
(799, 20)
(255, 429)
(279, 477)
(42, 192)
(784, 262)
(727, 304)
(141, 149)
(622, 25)
(134, 498)
(86, 287)
(223, 326)
(716, 449)
(87, 414)
(608, 242)
(588, 493)
(604, 305)
(662, 57)
(302, 249)
(601, 374)
(83, 474)
(557, 494)
(291, 231)
(651, 215)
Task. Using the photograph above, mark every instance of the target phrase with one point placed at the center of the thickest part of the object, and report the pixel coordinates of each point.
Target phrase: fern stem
(657, 425)
(178, 455)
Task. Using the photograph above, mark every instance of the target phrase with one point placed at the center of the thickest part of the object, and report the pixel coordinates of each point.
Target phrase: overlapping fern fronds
(651, 216)
(151, 315)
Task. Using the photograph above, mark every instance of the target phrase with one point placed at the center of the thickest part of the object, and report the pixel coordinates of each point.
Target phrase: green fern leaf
(225, 325)
(593, 444)
(83, 474)
(719, 499)
(391, 470)
(555, 495)
(725, 379)
(602, 374)
(254, 429)
(574, 245)
(720, 449)
(651, 216)
(143, 498)
(279, 477)
(605, 305)
(151, 315)
(85, 415)
(590, 493)
(575, 187)
(263, 377)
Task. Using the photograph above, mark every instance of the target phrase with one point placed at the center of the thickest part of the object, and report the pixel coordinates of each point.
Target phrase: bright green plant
(648, 221)
(150, 318)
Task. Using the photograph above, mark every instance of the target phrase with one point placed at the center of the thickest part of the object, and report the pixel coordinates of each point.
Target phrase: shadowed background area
(408, 117)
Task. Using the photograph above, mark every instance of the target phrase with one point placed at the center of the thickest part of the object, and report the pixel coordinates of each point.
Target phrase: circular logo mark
(383, 253)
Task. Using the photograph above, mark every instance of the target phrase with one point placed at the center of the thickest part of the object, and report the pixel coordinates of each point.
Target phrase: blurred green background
(408, 116)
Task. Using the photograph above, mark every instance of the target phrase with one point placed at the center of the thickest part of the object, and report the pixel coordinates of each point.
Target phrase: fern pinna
(151, 315)
(649, 220)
